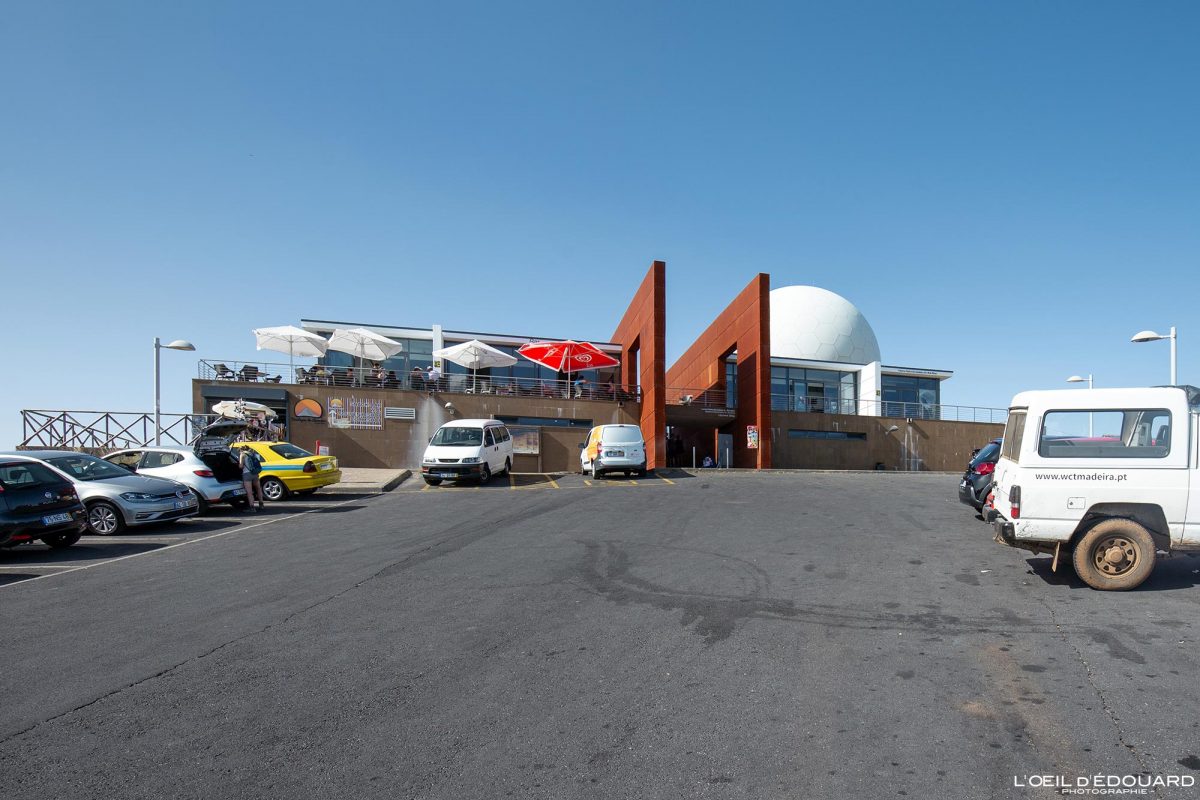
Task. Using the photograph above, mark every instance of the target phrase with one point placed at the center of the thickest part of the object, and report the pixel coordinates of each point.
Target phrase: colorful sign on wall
(360, 413)
(307, 409)
(752, 437)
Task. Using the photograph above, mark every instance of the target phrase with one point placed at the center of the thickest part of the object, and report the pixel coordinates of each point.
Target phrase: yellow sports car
(287, 468)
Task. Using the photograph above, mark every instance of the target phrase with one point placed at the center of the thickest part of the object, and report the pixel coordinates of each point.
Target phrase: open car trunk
(213, 449)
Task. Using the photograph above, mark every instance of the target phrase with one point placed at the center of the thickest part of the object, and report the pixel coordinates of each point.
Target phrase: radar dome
(815, 324)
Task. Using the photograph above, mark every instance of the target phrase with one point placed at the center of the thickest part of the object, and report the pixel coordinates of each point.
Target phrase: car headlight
(471, 460)
(138, 497)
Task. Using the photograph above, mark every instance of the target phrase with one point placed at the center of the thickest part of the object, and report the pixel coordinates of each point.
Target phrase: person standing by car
(251, 466)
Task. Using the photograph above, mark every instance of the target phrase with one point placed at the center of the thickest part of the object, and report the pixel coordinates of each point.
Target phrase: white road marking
(230, 532)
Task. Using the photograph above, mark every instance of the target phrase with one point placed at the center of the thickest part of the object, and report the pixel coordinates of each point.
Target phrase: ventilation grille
(391, 412)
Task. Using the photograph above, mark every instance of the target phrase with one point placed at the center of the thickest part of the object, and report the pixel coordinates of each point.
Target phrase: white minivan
(467, 449)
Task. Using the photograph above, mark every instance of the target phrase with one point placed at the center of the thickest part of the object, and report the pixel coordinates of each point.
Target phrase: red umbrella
(567, 356)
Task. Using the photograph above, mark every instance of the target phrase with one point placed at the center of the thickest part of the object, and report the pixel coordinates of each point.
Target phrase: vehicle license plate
(963, 485)
(54, 519)
(326, 466)
(181, 504)
(447, 475)
(614, 453)
(237, 492)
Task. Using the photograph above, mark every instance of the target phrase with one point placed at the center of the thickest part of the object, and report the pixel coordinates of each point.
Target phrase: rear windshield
(622, 434)
(1014, 432)
(88, 468)
(458, 437)
(291, 451)
(990, 452)
(27, 476)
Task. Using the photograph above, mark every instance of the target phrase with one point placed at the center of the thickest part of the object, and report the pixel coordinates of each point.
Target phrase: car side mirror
(582, 445)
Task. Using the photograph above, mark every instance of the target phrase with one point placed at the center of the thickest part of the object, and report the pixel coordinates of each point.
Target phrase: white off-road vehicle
(1108, 477)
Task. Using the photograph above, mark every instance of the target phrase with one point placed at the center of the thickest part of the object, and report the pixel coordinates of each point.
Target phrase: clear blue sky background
(1008, 190)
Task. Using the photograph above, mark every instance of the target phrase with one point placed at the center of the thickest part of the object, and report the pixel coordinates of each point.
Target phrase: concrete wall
(745, 326)
(401, 442)
(642, 334)
(920, 445)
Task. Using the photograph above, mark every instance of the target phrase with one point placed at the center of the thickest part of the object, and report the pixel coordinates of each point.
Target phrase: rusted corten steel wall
(744, 326)
(642, 335)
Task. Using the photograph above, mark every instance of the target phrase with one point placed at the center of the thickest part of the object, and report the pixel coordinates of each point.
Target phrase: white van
(613, 448)
(1106, 477)
(467, 449)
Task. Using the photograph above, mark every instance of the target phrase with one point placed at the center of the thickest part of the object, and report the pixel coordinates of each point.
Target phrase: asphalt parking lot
(724, 635)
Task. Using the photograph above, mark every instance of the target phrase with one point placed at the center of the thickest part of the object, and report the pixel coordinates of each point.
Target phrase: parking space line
(585, 480)
(185, 543)
(668, 480)
(554, 483)
(512, 482)
(38, 566)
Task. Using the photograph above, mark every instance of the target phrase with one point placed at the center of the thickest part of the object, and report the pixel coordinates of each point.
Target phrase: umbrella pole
(292, 360)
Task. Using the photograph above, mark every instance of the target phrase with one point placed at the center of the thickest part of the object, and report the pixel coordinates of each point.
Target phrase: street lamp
(1151, 336)
(178, 344)
(1081, 379)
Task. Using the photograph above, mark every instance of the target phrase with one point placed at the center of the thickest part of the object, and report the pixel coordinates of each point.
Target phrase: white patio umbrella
(363, 344)
(475, 355)
(291, 340)
(238, 409)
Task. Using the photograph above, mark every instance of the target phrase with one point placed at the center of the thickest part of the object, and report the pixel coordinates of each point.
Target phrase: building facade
(787, 378)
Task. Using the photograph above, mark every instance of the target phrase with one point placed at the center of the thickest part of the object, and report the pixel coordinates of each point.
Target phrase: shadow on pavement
(1178, 572)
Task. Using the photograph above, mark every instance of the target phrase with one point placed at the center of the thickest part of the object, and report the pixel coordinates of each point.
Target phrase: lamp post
(1081, 379)
(178, 344)
(1151, 336)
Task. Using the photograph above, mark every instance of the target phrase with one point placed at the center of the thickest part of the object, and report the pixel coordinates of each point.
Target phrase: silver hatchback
(113, 497)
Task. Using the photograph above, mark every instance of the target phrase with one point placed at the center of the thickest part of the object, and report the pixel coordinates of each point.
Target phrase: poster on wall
(359, 413)
(526, 441)
(752, 437)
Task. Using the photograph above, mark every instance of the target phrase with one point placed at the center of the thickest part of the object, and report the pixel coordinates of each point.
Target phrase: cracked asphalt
(783, 635)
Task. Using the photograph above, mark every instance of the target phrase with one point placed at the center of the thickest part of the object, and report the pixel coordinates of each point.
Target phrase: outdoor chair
(248, 373)
(224, 373)
(275, 379)
(301, 375)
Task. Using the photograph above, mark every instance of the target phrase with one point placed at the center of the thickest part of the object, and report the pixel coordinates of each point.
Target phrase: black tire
(104, 518)
(485, 474)
(508, 466)
(59, 541)
(1115, 555)
(434, 481)
(592, 469)
(202, 505)
(273, 489)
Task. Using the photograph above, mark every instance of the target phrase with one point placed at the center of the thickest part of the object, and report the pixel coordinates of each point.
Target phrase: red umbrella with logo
(567, 356)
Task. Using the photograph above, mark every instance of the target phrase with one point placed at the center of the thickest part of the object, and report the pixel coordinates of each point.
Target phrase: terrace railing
(713, 399)
(456, 382)
(106, 430)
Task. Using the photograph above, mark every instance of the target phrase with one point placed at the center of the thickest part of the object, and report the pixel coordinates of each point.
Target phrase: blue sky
(1008, 190)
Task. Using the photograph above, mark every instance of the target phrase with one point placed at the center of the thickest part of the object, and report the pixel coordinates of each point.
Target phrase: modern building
(791, 377)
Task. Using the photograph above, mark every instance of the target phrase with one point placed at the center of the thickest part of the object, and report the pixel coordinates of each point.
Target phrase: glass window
(1014, 432)
(153, 460)
(731, 384)
(1127, 433)
(27, 476)
(457, 436)
(549, 422)
(829, 435)
(488, 439)
(621, 434)
(83, 467)
(129, 460)
(288, 450)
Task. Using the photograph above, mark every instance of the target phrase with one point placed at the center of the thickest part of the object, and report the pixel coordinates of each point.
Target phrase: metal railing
(713, 399)
(579, 387)
(700, 398)
(106, 430)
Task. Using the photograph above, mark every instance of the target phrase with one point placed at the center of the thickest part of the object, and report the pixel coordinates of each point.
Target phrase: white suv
(1106, 477)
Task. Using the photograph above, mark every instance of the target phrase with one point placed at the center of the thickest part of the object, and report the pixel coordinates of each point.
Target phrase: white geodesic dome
(815, 324)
